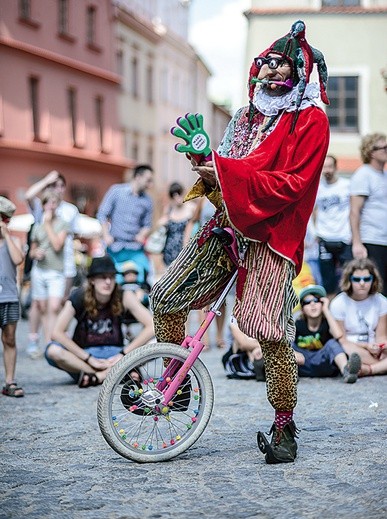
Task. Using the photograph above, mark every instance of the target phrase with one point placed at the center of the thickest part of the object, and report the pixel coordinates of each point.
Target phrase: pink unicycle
(157, 401)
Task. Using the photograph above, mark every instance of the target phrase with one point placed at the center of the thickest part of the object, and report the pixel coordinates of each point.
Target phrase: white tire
(149, 434)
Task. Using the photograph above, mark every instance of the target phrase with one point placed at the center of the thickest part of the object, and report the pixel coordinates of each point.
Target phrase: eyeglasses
(272, 63)
(314, 300)
(377, 148)
(366, 279)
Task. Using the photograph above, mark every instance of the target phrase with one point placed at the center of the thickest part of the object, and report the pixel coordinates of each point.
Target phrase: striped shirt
(127, 213)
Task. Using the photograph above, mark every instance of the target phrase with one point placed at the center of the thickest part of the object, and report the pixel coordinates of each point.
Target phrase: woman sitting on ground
(317, 345)
(361, 312)
(97, 343)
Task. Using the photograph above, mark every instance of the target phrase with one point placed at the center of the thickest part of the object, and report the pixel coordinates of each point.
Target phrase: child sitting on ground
(317, 344)
(129, 271)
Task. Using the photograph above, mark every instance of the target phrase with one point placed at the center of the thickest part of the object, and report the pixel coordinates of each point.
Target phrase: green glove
(197, 141)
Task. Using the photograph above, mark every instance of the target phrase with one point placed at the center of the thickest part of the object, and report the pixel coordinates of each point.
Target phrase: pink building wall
(33, 47)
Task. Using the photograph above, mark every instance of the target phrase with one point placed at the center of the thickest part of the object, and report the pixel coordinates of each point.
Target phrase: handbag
(156, 241)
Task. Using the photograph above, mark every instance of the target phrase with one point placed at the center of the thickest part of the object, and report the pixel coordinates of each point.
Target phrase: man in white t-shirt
(67, 212)
(368, 214)
(332, 224)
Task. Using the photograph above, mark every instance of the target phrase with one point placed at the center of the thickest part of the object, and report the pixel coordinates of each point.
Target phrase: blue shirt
(128, 213)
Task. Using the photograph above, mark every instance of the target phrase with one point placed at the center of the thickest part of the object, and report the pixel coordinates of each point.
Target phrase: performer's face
(282, 72)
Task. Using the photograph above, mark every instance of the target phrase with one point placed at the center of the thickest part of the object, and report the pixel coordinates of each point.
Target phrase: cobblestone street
(55, 462)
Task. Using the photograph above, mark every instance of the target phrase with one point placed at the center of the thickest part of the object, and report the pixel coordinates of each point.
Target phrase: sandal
(12, 389)
(88, 380)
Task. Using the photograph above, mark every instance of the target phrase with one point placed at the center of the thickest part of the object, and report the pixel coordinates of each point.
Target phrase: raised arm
(14, 246)
(40, 186)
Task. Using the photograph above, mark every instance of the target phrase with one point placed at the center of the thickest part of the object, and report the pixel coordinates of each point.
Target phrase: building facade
(353, 38)
(58, 89)
(91, 88)
(162, 79)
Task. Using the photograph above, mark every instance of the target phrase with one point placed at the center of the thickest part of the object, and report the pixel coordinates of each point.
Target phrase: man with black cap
(97, 343)
(263, 182)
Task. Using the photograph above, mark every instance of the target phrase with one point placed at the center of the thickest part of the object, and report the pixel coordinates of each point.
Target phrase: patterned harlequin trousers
(264, 303)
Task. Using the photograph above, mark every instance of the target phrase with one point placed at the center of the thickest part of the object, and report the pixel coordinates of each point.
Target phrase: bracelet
(88, 358)
(122, 352)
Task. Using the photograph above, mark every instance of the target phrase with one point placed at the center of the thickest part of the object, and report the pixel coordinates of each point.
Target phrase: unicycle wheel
(131, 414)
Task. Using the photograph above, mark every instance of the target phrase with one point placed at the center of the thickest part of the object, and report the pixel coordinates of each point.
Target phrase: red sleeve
(277, 173)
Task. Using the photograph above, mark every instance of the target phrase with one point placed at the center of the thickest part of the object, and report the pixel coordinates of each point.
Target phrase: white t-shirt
(368, 182)
(360, 318)
(69, 213)
(332, 202)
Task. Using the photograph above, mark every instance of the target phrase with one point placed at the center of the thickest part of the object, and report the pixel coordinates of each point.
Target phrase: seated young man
(97, 343)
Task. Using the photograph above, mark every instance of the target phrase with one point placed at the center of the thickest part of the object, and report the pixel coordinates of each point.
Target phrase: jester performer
(263, 182)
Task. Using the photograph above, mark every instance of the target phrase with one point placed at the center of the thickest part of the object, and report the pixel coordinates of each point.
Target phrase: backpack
(239, 366)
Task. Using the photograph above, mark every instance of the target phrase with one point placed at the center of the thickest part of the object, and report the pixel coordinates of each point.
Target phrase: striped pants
(264, 302)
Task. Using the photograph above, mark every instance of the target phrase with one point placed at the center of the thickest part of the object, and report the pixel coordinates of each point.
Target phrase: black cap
(104, 265)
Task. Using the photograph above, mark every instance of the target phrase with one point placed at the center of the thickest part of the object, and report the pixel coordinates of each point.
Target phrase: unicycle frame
(175, 372)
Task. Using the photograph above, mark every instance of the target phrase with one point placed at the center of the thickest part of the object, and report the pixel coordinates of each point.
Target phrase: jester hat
(301, 56)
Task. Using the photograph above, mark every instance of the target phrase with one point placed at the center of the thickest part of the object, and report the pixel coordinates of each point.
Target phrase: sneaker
(352, 368)
(282, 447)
(259, 370)
(33, 350)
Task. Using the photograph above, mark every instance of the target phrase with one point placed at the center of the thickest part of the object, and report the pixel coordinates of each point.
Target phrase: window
(120, 62)
(99, 117)
(164, 85)
(149, 84)
(25, 9)
(134, 76)
(343, 112)
(63, 16)
(135, 151)
(72, 106)
(149, 155)
(340, 3)
(34, 99)
(91, 25)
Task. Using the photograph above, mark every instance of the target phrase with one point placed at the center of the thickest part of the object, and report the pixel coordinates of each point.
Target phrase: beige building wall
(353, 41)
(148, 110)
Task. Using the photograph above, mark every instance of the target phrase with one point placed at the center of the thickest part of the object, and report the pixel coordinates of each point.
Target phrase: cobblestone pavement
(55, 463)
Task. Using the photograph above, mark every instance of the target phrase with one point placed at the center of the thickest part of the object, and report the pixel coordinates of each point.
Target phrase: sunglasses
(272, 63)
(366, 279)
(377, 148)
(314, 300)
(5, 218)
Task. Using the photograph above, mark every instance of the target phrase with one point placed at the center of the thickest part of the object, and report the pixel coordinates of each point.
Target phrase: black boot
(282, 447)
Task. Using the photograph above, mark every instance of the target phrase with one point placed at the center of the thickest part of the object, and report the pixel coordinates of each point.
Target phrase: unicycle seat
(223, 236)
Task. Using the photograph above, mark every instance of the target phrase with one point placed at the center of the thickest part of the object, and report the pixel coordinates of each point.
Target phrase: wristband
(88, 358)
(122, 352)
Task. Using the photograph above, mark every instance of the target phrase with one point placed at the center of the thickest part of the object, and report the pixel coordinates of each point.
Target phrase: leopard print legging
(189, 279)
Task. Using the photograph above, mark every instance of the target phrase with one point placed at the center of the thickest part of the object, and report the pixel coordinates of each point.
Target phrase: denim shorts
(99, 352)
